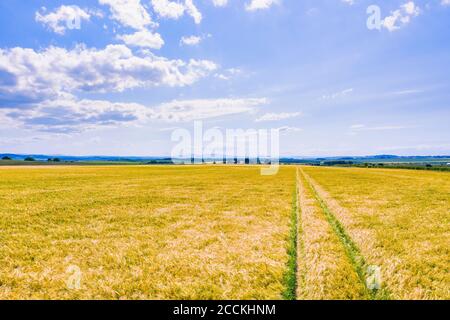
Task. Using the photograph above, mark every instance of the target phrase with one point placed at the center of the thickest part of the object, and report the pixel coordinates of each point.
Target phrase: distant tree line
(31, 159)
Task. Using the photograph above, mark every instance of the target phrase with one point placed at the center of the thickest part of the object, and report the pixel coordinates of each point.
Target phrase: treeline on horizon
(437, 163)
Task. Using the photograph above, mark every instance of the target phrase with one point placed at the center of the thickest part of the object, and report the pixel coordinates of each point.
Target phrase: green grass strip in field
(301, 265)
(290, 277)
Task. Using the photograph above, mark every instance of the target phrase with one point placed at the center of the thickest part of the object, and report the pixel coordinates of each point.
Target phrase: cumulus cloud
(129, 13)
(401, 16)
(62, 18)
(143, 38)
(72, 115)
(28, 76)
(278, 116)
(168, 9)
(445, 2)
(175, 9)
(190, 41)
(192, 10)
(260, 4)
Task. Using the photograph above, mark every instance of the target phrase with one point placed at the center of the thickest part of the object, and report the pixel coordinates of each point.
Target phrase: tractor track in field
(301, 265)
(325, 272)
(352, 250)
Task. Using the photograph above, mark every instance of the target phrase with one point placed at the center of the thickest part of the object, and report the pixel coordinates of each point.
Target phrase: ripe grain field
(400, 222)
(144, 232)
(222, 232)
(325, 271)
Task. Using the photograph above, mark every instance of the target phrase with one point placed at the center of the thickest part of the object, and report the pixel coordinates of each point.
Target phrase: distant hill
(45, 157)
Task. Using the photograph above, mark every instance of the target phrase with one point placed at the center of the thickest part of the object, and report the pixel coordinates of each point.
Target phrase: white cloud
(63, 18)
(221, 76)
(220, 3)
(401, 16)
(188, 110)
(260, 4)
(129, 13)
(72, 115)
(29, 76)
(192, 10)
(143, 38)
(190, 41)
(175, 9)
(278, 116)
(168, 9)
(445, 2)
(411, 9)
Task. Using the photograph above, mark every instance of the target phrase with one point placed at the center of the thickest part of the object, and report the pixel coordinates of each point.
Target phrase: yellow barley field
(325, 271)
(399, 219)
(143, 232)
(223, 232)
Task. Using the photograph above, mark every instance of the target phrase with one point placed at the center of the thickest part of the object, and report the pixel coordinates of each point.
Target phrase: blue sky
(119, 81)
